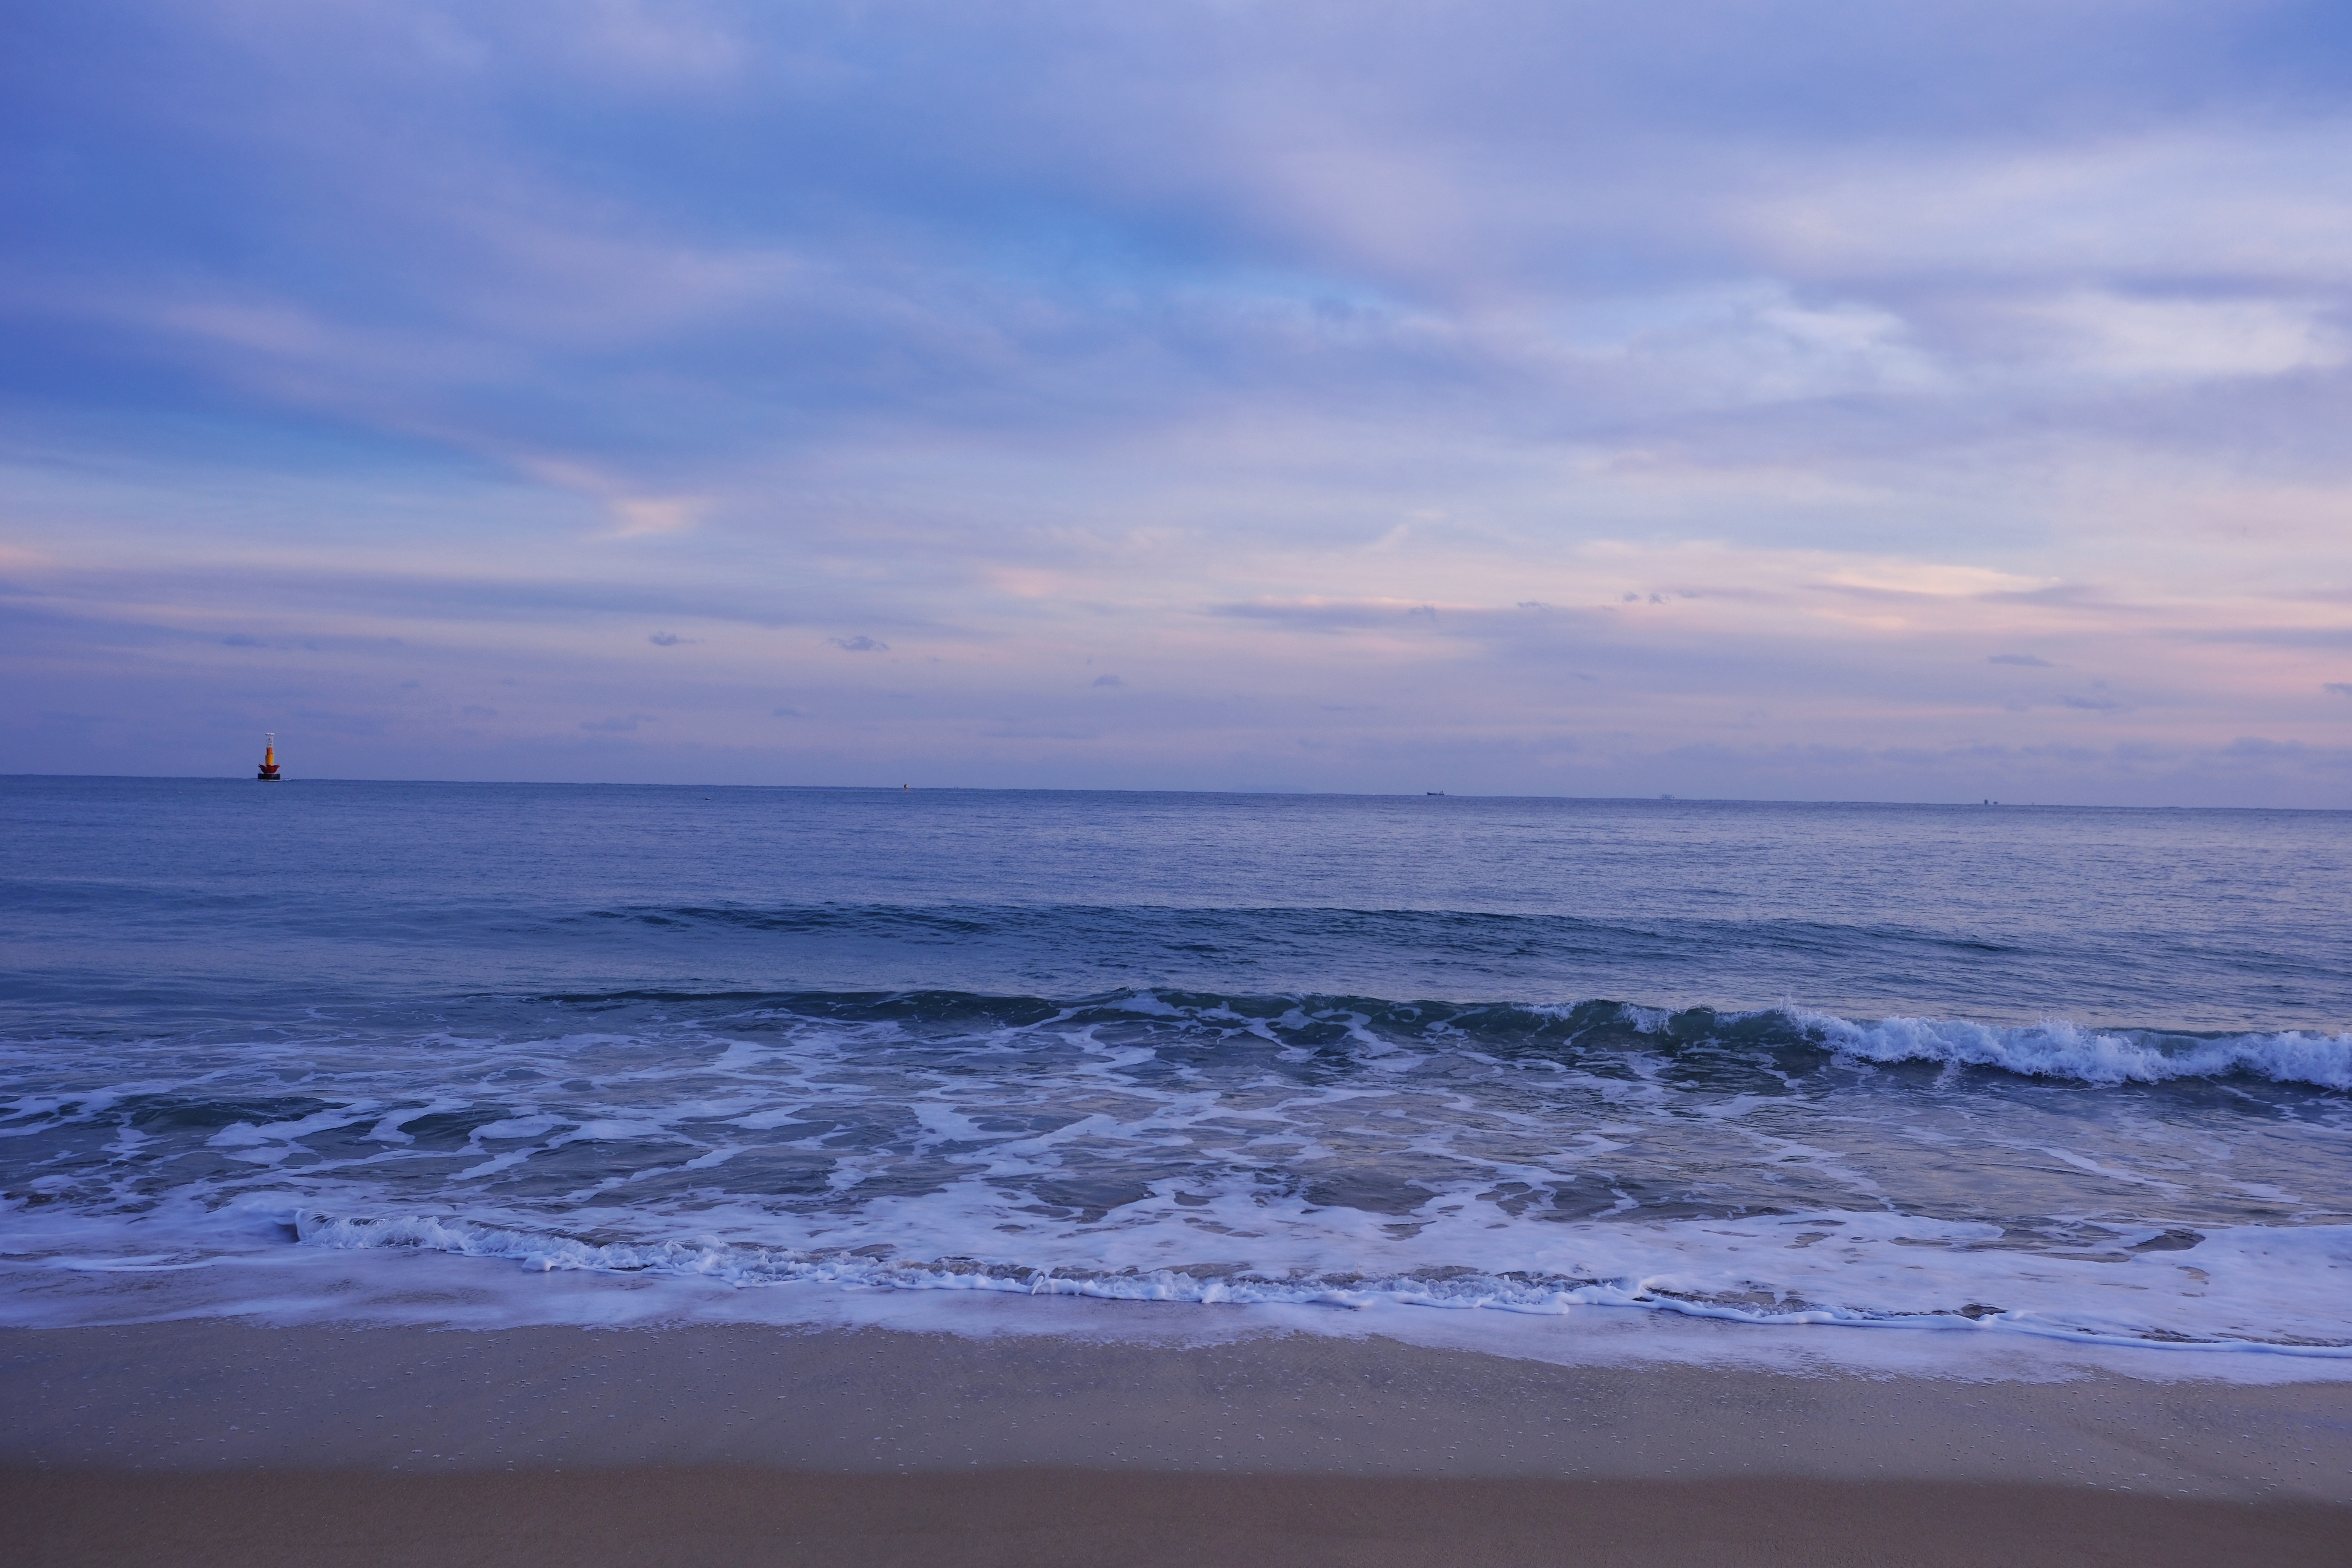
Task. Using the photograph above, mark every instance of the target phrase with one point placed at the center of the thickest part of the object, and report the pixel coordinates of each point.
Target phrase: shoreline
(211, 1441)
(217, 1394)
(253, 1277)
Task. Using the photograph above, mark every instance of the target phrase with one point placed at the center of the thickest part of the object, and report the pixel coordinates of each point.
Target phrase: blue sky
(1891, 401)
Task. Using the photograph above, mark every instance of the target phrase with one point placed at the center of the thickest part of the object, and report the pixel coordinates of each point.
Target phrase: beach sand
(211, 1441)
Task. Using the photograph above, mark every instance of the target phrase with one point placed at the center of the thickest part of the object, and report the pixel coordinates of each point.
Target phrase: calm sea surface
(2072, 1072)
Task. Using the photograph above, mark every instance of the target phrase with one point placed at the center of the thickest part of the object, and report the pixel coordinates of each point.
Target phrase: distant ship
(269, 773)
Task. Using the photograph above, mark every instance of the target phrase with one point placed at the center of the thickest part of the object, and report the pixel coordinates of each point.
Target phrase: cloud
(618, 726)
(646, 515)
(2326, 636)
(2110, 334)
(1109, 681)
(1034, 730)
(2261, 749)
(1166, 336)
(1327, 615)
(476, 711)
(786, 714)
(1932, 578)
(2341, 688)
(2095, 704)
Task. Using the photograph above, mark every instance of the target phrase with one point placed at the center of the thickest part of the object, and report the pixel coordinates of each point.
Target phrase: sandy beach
(726, 1517)
(217, 1442)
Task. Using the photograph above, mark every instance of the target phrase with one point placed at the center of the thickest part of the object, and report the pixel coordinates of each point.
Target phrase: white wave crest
(2056, 1048)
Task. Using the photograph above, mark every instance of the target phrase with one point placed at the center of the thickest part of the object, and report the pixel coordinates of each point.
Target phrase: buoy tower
(269, 773)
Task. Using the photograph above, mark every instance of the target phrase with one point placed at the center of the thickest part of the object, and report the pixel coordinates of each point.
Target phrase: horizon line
(1661, 799)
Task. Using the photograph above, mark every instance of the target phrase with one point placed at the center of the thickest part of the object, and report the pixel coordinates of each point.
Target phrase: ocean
(2062, 1073)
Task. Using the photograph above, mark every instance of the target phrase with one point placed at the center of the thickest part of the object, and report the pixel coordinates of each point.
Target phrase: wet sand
(218, 1442)
(1032, 1518)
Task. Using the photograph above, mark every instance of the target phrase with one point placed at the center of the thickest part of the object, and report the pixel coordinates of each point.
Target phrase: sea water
(2036, 1071)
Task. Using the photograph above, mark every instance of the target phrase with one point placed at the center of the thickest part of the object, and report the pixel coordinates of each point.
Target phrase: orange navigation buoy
(269, 773)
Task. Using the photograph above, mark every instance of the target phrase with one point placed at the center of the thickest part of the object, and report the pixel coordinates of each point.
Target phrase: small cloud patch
(1317, 615)
(238, 639)
(615, 726)
(1109, 681)
(859, 644)
(667, 639)
(2026, 659)
(787, 714)
(2340, 688)
(654, 514)
(475, 710)
(2093, 704)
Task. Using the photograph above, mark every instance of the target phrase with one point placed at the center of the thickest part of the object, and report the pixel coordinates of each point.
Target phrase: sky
(1808, 400)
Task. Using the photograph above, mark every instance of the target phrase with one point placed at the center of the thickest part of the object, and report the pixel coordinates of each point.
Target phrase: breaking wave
(2059, 1049)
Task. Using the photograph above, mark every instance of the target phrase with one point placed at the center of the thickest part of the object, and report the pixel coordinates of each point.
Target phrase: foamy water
(1763, 1167)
